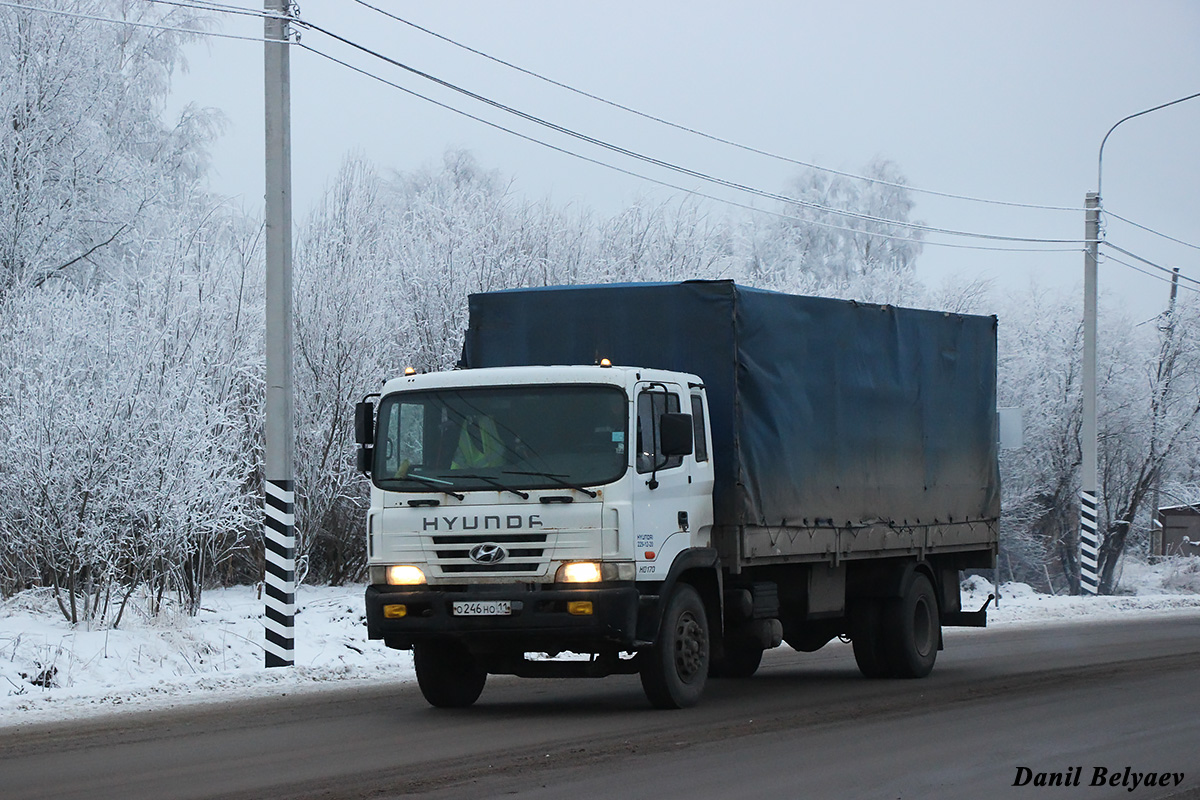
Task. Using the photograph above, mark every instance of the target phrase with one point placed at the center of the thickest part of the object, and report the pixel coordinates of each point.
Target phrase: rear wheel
(866, 634)
(912, 630)
(449, 676)
(676, 667)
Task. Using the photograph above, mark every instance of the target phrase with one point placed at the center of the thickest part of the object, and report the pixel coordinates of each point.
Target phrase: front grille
(498, 538)
(453, 553)
(505, 566)
(525, 552)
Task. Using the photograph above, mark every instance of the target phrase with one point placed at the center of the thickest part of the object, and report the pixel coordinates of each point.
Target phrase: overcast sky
(1006, 101)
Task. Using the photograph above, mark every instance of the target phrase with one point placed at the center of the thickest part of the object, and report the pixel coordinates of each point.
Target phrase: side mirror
(675, 434)
(364, 424)
(364, 435)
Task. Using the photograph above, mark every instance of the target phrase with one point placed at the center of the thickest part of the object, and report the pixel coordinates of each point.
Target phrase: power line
(1150, 263)
(1150, 274)
(1150, 230)
(203, 5)
(667, 184)
(693, 173)
(126, 22)
(217, 7)
(694, 131)
(669, 165)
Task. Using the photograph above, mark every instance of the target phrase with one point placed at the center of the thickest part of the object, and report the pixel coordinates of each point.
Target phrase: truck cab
(541, 510)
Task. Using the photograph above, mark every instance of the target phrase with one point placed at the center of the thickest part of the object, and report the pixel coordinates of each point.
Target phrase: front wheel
(449, 676)
(676, 667)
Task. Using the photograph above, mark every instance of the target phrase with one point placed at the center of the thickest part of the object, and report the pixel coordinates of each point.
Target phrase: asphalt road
(1111, 696)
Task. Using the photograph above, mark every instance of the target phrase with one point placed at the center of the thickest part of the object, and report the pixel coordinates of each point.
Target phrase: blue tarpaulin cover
(822, 410)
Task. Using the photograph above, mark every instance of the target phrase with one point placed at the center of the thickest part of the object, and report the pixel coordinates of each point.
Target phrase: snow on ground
(50, 671)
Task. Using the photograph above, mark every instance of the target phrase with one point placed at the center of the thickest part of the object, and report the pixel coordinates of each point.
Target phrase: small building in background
(1177, 532)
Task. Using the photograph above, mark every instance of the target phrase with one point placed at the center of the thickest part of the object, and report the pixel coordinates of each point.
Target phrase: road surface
(1122, 697)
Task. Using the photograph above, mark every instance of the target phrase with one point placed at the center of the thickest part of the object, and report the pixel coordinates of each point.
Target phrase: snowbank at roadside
(1145, 589)
(51, 670)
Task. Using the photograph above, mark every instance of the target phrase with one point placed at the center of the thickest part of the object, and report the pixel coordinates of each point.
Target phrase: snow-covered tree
(1148, 385)
(1152, 422)
(814, 251)
(127, 462)
(128, 335)
(349, 323)
(668, 241)
(84, 154)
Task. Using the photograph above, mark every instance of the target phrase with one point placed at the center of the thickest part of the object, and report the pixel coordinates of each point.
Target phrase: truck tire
(449, 676)
(866, 635)
(676, 667)
(912, 630)
(741, 660)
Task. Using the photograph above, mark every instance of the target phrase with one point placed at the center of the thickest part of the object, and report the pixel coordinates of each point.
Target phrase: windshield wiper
(493, 482)
(557, 479)
(432, 483)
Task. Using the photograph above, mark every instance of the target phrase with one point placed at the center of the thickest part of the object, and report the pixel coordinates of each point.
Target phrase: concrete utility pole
(1169, 330)
(279, 489)
(1089, 541)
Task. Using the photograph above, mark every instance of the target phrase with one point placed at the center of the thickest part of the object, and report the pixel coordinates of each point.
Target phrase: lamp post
(1089, 540)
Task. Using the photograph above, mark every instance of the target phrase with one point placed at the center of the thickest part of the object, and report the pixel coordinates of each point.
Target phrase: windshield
(509, 438)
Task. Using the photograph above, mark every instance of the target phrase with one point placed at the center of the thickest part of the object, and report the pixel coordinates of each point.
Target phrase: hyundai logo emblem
(488, 553)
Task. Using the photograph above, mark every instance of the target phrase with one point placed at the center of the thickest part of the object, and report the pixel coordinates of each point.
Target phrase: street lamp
(1100, 159)
(1089, 540)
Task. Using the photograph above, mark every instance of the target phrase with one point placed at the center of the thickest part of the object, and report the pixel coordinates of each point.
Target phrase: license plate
(478, 608)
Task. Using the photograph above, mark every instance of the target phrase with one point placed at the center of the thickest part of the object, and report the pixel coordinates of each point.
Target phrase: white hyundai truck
(669, 479)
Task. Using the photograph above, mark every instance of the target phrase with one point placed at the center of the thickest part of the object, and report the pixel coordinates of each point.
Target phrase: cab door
(663, 494)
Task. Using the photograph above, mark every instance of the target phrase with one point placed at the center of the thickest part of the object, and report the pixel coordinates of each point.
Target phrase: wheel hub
(689, 647)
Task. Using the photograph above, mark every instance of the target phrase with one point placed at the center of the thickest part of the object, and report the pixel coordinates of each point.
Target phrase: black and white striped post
(1089, 545)
(279, 492)
(280, 545)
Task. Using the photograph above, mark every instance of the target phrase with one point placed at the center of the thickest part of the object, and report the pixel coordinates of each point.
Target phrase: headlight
(398, 575)
(594, 571)
(579, 572)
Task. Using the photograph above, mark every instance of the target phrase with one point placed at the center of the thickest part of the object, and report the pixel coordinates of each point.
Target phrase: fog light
(395, 611)
(580, 608)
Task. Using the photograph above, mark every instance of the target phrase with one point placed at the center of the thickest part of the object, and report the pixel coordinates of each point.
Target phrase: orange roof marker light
(604, 362)
(410, 371)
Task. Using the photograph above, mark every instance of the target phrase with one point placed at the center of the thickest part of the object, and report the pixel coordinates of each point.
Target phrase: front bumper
(539, 621)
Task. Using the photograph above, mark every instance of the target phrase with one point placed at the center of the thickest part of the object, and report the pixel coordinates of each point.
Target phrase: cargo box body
(838, 428)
